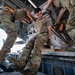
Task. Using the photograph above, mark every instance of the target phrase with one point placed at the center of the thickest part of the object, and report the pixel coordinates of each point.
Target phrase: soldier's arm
(49, 31)
(30, 16)
(49, 34)
(24, 21)
(60, 15)
(48, 4)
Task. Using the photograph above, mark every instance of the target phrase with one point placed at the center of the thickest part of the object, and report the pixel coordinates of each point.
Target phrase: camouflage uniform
(20, 13)
(10, 28)
(70, 26)
(35, 46)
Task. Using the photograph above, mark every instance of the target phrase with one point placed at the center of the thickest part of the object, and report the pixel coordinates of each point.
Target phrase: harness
(9, 9)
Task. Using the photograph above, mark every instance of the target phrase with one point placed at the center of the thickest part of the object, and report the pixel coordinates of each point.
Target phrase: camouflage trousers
(34, 46)
(11, 30)
(70, 26)
(11, 37)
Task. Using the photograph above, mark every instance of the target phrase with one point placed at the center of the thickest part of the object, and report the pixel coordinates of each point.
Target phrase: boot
(17, 63)
(2, 55)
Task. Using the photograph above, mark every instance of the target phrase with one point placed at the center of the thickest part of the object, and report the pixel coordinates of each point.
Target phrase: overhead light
(32, 4)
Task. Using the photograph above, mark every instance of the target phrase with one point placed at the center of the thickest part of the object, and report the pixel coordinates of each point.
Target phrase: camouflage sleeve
(48, 21)
(20, 13)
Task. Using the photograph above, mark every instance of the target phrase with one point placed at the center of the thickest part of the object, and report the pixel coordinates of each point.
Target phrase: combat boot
(18, 64)
(2, 55)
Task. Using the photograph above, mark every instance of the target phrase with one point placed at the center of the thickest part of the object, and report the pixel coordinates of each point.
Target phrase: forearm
(60, 14)
(30, 16)
(48, 4)
(24, 21)
(49, 31)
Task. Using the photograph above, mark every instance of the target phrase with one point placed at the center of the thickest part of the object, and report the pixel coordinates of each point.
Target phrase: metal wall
(56, 64)
(57, 67)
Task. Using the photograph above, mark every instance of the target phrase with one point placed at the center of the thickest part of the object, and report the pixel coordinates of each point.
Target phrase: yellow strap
(11, 10)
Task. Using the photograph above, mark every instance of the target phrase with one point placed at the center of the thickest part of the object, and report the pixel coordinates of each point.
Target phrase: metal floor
(18, 73)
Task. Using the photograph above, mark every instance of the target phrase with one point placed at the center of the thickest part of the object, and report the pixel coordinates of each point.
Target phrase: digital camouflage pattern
(70, 26)
(35, 46)
(20, 13)
(10, 28)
